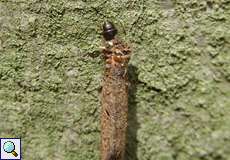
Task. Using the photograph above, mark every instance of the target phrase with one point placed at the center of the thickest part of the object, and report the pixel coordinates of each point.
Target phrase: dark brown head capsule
(109, 31)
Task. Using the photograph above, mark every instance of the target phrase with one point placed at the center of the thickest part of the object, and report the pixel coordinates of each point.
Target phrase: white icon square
(10, 149)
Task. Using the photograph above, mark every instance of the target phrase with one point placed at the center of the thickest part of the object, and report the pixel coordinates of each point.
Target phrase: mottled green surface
(51, 70)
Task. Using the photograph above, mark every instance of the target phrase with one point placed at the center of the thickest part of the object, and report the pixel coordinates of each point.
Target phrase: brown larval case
(114, 96)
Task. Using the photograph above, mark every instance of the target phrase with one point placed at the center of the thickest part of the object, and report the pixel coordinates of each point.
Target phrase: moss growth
(50, 73)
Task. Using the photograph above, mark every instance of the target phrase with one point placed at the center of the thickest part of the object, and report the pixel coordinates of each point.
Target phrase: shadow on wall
(131, 137)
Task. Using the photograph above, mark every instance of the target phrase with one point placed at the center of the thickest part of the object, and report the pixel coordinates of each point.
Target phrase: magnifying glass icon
(9, 147)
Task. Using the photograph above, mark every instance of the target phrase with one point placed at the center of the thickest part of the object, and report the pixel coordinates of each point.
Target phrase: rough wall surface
(50, 77)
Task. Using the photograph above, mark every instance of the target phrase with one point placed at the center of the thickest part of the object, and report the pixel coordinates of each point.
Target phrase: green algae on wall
(50, 77)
